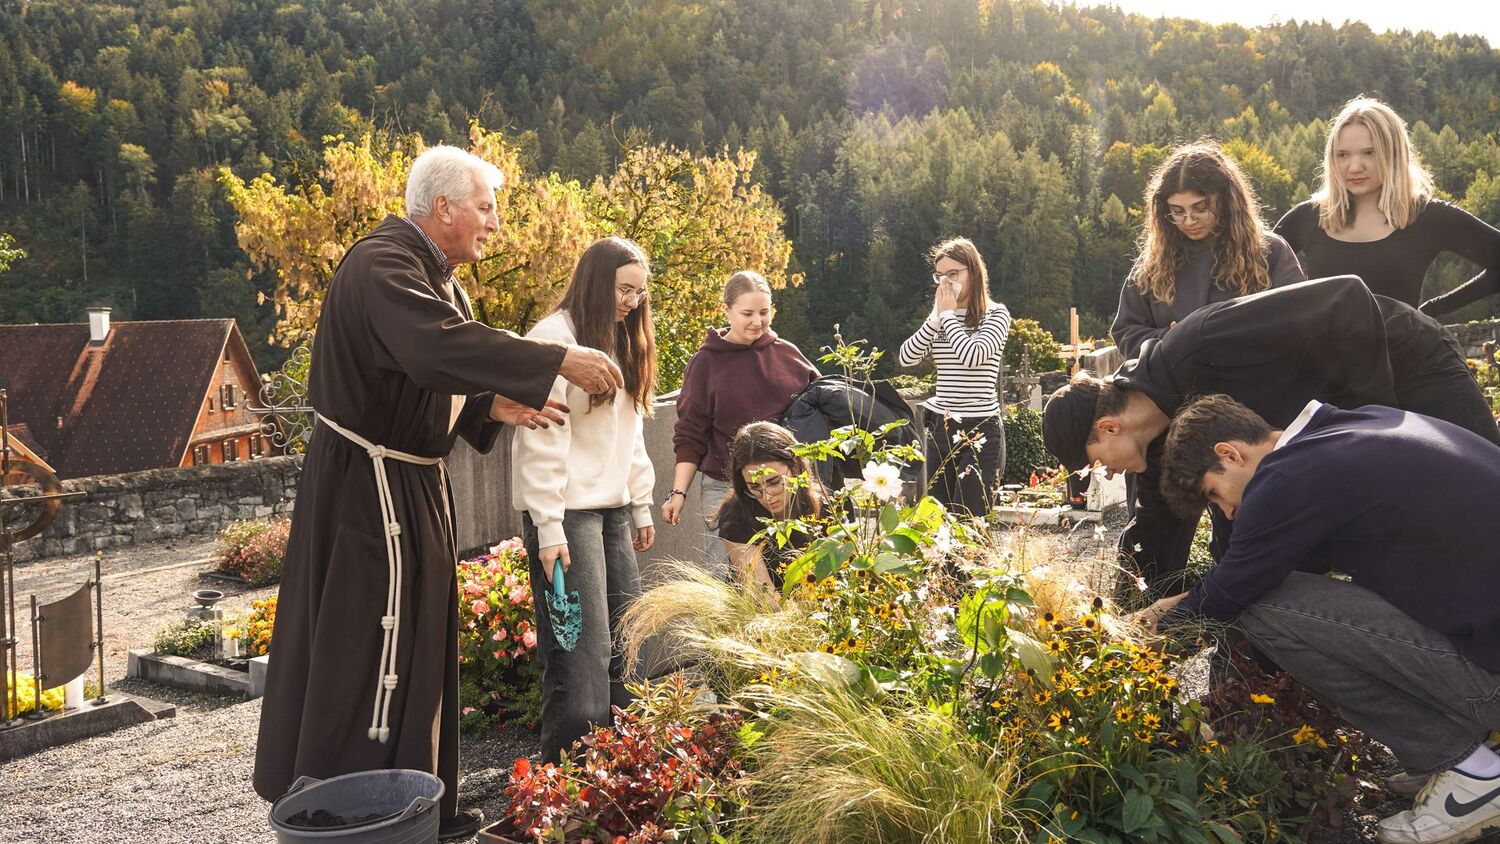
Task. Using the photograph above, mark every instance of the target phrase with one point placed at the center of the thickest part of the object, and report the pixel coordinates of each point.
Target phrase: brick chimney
(98, 326)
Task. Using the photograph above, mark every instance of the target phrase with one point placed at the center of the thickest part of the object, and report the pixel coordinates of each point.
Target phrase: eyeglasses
(772, 482)
(1182, 219)
(630, 294)
(951, 275)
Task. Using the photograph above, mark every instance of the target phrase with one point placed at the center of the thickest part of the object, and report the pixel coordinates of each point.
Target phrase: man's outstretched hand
(514, 413)
(591, 370)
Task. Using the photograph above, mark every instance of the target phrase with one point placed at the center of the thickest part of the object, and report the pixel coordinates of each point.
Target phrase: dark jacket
(832, 402)
(1371, 493)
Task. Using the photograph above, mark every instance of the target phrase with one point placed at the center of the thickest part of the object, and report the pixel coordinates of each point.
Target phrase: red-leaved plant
(661, 773)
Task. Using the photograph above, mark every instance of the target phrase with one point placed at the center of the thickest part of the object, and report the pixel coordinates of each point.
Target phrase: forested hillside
(880, 125)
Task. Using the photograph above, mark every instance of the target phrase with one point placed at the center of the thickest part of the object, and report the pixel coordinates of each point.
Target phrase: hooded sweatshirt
(728, 385)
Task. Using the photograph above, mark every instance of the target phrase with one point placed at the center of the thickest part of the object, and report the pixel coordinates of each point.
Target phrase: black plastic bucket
(397, 807)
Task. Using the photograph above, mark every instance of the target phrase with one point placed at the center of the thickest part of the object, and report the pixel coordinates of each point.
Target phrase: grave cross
(1075, 350)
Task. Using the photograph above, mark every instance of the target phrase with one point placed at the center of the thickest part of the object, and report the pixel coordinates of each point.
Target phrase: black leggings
(963, 480)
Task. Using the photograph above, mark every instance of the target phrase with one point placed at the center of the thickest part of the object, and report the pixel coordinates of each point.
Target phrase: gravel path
(184, 779)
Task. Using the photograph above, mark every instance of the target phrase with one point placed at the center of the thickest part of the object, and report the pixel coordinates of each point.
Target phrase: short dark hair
(1190, 447)
(1070, 413)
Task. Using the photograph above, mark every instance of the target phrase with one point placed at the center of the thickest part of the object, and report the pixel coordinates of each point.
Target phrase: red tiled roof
(128, 404)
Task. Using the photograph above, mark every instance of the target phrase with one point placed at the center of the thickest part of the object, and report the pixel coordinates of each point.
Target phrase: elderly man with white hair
(366, 669)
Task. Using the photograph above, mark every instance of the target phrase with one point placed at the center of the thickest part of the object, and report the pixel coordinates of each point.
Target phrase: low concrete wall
(122, 510)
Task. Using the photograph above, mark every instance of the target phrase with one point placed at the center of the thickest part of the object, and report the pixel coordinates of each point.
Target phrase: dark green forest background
(881, 126)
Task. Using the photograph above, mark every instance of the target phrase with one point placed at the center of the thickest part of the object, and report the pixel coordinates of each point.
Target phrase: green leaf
(1070, 821)
(992, 664)
(900, 543)
(994, 629)
(1032, 653)
(1125, 769)
(826, 564)
(1138, 807)
(885, 562)
(889, 518)
(1225, 834)
(829, 669)
(796, 572)
(1107, 739)
(1018, 596)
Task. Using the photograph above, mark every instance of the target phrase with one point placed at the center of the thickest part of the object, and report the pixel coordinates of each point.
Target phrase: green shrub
(1046, 352)
(1024, 452)
(191, 637)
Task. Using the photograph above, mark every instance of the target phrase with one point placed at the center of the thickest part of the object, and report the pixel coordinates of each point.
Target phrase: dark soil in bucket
(324, 819)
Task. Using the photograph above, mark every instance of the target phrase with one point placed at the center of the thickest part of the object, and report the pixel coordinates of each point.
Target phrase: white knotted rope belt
(385, 678)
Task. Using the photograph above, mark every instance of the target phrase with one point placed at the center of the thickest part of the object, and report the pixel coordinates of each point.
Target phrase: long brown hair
(1405, 183)
(767, 442)
(976, 300)
(591, 300)
(1240, 264)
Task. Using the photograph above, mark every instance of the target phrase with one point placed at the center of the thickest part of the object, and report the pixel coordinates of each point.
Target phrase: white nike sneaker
(1451, 809)
(1407, 784)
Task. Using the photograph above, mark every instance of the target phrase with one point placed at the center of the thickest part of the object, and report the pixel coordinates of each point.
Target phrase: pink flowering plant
(252, 550)
(499, 674)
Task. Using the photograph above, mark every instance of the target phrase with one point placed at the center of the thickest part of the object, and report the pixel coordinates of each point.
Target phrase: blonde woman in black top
(1375, 216)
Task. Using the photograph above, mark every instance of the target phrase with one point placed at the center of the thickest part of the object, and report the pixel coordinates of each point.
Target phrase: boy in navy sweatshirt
(1406, 649)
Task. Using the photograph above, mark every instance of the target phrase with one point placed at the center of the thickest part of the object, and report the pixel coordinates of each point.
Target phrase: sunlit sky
(1479, 17)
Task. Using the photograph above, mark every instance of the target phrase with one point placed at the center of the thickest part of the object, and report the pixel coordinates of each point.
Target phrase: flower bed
(24, 686)
(499, 674)
(252, 550)
(920, 680)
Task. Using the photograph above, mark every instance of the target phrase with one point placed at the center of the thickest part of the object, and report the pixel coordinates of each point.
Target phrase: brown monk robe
(395, 343)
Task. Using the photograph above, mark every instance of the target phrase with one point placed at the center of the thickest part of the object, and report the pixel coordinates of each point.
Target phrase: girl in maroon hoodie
(743, 373)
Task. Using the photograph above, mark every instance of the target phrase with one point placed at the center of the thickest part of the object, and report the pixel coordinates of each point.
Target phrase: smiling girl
(742, 373)
(1203, 241)
(1375, 216)
(769, 481)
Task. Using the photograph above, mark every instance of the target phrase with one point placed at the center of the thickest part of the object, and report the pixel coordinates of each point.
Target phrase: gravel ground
(184, 779)
(187, 779)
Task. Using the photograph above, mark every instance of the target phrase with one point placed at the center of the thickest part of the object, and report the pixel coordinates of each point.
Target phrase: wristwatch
(672, 493)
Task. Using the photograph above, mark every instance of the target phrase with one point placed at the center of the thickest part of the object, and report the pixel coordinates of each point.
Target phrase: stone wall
(1472, 336)
(121, 510)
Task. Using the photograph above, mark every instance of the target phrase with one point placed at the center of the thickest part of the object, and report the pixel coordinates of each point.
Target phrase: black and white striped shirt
(968, 362)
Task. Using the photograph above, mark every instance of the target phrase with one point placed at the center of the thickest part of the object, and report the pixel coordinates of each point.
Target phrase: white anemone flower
(883, 481)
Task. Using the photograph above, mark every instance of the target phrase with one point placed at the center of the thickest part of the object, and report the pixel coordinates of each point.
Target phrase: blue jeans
(1403, 684)
(580, 686)
(711, 494)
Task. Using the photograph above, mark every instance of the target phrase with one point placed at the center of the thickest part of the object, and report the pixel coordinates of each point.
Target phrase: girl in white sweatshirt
(585, 488)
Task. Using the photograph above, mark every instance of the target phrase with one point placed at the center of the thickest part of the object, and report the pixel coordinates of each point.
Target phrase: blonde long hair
(1405, 183)
(1240, 236)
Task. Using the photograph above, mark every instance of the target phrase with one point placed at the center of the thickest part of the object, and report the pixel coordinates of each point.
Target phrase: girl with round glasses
(1375, 216)
(769, 481)
(1202, 241)
(965, 336)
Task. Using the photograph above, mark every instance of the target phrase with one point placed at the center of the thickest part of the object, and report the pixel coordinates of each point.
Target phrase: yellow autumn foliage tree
(699, 217)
